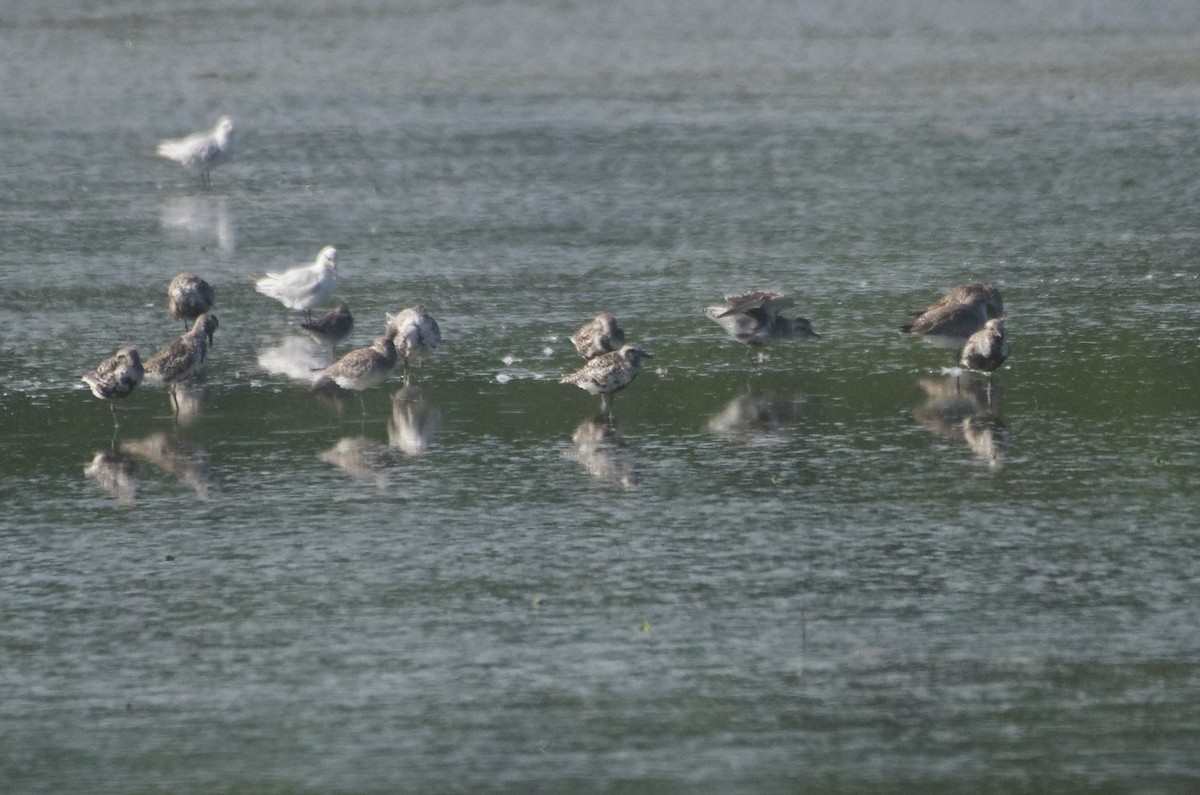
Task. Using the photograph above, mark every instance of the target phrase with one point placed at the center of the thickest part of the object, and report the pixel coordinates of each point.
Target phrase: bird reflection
(189, 402)
(175, 457)
(754, 417)
(295, 357)
(414, 421)
(962, 408)
(205, 217)
(597, 445)
(116, 474)
(361, 458)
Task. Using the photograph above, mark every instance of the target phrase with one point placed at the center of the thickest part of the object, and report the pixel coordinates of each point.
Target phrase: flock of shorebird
(969, 317)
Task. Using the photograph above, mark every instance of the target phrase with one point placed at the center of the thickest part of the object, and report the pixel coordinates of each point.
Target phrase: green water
(838, 569)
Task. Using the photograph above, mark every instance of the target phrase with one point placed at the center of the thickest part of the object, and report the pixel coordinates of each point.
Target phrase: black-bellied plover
(331, 327)
(599, 335)
(415, 333)
(609, 373)
(116, 377)
(303, 287)
(189, 297)
(203, 151)
(957, 315)
(986, 349)
(183, 358)
(753, 318)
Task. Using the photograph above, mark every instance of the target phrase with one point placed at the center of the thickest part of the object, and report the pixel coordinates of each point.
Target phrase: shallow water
(837, 569)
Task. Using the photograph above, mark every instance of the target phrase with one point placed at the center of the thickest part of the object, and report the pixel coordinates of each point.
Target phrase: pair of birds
(190, 299)
(970, 315)
(751, 318)
(411, 334)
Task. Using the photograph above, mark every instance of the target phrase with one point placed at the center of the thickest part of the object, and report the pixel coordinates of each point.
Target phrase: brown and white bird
(957, 315)
(609, 373)
(361, 368)
(753, 318)
(189, 297)
(116, 377)
(183, 358)
(415, 333)
(203, 151)
(986, 349)
(599, 335)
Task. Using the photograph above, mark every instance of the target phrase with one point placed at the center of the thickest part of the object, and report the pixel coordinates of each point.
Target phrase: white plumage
(304, 287)
(202, 151)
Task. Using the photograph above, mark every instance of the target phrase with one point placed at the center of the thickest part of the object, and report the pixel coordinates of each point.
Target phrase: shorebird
(597, 336)
(986, 349)
(753, 318)
(361, 368)
(183, 357)
(116, 377)
(303, 287)
(957, 315)
(331, 327)
(202, 151)
(189, 297)
(415, 333)
(609, 373)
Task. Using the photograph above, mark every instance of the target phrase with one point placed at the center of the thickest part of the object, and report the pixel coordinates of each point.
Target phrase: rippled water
(840, 569)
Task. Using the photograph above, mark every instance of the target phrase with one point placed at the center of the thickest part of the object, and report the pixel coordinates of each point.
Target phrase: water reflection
(189, 402)
(755, 417)
(176, 457)
(295, 357)
(362, 459)
(597, 445)
(116, 474)
(414, 421)
(966, 409)
(204, 217)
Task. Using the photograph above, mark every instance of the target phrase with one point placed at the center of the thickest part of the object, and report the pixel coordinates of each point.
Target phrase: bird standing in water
(609, 373)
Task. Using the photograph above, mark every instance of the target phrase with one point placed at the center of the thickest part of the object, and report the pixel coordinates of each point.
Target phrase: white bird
(303, 287)
(202, 151)
(415, 332)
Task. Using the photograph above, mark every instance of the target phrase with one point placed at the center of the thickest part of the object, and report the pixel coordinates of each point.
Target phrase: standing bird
(189, 297)
(415, 332)
(753, 318)
(303, 287)
(609, 373)
(599, 335)
(202, 151)
(331, 327)
(361, 368)
(183, 357)
(986, 349)
(957, 315)
(115, 377)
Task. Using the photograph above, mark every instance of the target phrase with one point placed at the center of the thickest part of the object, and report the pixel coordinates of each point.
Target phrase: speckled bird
(189, 297)
(116, 377)
(599, 335)
(609, 373)
(986, 349)
(184, 357)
